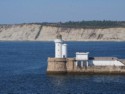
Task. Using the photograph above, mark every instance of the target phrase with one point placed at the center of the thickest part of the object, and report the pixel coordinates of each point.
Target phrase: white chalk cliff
(35, 32)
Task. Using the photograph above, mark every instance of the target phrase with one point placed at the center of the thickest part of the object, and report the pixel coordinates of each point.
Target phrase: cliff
(37, 32)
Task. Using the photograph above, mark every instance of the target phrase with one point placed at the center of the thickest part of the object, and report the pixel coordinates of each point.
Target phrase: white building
(84, 60)
(64, 50)
(60, 48)
(105, 61)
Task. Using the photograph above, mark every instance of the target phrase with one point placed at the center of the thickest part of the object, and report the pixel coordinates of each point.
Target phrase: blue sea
(23, 69)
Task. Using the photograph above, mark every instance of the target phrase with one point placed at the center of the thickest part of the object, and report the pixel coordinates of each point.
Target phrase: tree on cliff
(88, 24)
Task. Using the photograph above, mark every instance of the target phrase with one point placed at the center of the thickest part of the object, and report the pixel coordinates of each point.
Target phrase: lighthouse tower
(64, 50)
(58, 46)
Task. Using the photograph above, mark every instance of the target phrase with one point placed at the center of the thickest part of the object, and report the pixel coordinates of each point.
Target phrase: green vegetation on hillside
(88, 24)
(77, 24)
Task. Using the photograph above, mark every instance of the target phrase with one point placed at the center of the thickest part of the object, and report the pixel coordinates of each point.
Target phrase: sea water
(23, 69)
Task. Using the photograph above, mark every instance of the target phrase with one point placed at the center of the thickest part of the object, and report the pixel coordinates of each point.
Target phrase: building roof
(82, 53)
(103, 58)
(122, 60)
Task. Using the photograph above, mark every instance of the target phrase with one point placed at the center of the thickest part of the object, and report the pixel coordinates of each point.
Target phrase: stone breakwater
(34, 32)
(66, 65)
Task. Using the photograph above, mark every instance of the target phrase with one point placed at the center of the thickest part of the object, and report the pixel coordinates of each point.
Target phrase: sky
(31, 11)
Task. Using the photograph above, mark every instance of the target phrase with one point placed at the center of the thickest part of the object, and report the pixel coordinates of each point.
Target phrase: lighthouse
(58, 46)
(64, 50)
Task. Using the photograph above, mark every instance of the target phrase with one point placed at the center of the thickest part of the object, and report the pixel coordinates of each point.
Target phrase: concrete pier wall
(67, 65)
(99, 70)
(70, 64)
(56, 65)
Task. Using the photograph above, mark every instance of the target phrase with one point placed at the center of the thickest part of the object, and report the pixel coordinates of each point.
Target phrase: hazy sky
(26, 11)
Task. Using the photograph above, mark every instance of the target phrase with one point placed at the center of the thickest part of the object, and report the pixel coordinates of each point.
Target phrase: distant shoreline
(37, 32)
(52, 41)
